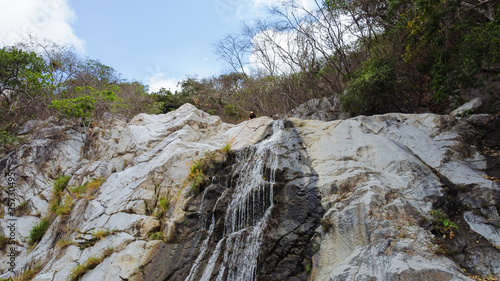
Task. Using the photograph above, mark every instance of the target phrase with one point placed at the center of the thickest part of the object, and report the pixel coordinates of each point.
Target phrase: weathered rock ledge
(351, 199)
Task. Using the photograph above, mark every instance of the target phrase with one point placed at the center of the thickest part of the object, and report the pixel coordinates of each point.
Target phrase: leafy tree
(169, 101)
(24, 89)
(23, 78)
(89, 105)
(137, 99)
(371, 88)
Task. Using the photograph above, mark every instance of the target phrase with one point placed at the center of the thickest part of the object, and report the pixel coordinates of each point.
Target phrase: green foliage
(29, 273)
(60, 185)
(226, 149)
(371, 87)
(449, 43)
(64, 243)
(80, 108)
(230, 110)
(38, 231)
(22, 73)
(94, 184)
(78, 271)
(162, 205)
(89, 105)
(3, 241)
(156, 236)
(170, 101)
(65, 208)
(200, 168)
(102, 233)
(8, 140)
(78, 191)
(87, 190)
(307, 266)
(442, 223)
(24, 85)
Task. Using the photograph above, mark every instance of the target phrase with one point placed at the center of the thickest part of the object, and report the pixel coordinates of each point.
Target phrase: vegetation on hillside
(376, 56)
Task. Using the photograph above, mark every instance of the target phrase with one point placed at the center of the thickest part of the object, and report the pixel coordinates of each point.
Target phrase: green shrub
(370, 89)
(79, 191)
(8, 140)
(163, 205)
(200, 168)
(38, 231)
(60, 184)
(87, 190)
(65, 208)
(55, 201)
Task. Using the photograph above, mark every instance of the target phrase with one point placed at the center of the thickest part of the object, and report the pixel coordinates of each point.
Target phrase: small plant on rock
(443, 224)
(163, 205)
(30, 273)
(4, 240)
(101, 233)
(65, 243)
(199, 168)
(156, 236)
(91, 263)
(65, 208)
(59, 185)
(38, 231)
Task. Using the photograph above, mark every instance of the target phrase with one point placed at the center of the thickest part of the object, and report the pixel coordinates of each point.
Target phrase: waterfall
(246, 215)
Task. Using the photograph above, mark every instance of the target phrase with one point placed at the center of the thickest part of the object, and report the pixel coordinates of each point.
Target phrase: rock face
(323, 109)
(295, 200)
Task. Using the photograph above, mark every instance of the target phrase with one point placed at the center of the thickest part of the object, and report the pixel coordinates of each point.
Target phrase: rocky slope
(294, 200)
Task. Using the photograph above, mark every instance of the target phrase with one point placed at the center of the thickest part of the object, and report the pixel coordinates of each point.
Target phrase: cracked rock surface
(352, 198)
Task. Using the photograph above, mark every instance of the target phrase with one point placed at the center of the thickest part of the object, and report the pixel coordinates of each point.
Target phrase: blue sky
(157, 42)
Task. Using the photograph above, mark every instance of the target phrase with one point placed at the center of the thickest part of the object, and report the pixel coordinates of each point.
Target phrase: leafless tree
(233, 49)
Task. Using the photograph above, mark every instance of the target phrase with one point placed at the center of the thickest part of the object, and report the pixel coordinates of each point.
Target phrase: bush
(38, 231)
(370, 89)
(61, 183)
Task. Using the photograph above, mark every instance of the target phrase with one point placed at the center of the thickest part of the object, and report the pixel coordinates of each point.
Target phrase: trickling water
(203, 251)
(246, 215)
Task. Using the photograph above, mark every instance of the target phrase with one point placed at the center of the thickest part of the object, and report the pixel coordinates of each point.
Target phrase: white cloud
(306, 4)
(44, 19)
(158, 81)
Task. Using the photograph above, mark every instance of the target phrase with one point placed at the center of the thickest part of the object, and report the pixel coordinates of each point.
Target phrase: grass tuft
(38, 231)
